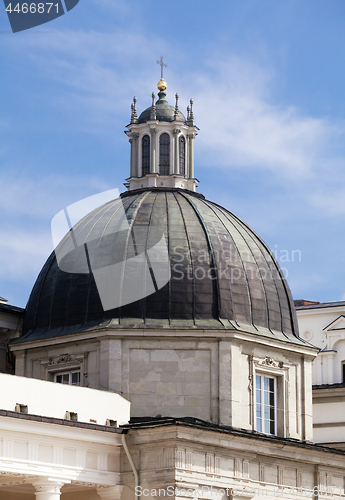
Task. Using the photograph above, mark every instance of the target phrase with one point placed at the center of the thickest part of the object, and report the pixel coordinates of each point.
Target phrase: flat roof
(329, 386)
(60, 421)
(322, 305)
(7, 308)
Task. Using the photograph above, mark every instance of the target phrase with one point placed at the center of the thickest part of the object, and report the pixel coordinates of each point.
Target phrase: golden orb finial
(162, 85)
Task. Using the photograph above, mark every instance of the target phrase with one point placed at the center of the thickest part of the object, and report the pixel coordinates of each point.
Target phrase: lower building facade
(323, 324)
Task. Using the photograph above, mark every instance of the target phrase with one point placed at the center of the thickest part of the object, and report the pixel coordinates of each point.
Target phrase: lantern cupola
(162, 144)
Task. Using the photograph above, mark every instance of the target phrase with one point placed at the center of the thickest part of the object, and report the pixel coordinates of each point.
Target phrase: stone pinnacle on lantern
(135, 116)
(191, 110)
(153, 108)
(190, 114)
(176, 106)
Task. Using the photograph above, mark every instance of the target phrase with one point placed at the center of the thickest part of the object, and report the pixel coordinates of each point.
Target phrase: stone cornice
(250, 445)
(59, 428)
(168, 333)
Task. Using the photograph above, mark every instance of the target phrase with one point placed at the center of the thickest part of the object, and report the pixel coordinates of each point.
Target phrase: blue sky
(267, 79)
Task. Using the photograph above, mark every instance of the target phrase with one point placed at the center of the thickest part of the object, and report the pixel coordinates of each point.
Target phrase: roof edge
(148, 422)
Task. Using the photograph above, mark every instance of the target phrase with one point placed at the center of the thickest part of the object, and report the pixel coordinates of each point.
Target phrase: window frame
(147, 157)
(269, 376)
(182, 155)
(69, 373)
(164, 169)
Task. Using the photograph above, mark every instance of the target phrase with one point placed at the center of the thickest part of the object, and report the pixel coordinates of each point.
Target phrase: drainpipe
(135, 472)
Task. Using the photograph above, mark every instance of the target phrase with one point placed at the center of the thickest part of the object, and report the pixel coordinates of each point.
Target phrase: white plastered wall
(54, 400)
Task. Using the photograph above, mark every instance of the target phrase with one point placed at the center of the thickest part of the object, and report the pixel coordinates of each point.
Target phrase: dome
(222, 274)
(164, 112)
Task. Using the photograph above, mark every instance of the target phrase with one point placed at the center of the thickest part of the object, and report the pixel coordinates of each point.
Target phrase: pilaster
(176, 133)
(131, 142)
(135, 136)
(110, 361)
(104, 363)
(20, 363)
(115, 365)
(330, 356)
(235, 387)
(190, 138)
(306, 400)
(224, 383)
(153, 169)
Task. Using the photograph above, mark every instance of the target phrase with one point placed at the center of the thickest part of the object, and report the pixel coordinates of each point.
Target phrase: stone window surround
(274, 369)
(65, 363)
(262, 402)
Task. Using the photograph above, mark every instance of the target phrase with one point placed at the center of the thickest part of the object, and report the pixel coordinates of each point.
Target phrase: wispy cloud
(330, 202)
(241, 126)
(245, 129)
(39, 198)
(90, 68)
(27, 205)
(28, 251)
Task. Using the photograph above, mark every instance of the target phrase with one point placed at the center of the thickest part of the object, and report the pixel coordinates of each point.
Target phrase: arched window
(145, 155)
(182, 156)
(164, 154)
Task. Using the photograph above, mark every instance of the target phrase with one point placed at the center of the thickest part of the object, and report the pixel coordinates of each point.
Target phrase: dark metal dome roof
(226, 277)
(164, 112)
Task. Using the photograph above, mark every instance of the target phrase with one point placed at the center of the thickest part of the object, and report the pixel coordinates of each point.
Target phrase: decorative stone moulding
(308, 335)
(267, 361)
(65, 359)
(156, 180)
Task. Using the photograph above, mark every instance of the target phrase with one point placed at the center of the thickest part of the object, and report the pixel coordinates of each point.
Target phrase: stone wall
(209, 375)
(170, 382)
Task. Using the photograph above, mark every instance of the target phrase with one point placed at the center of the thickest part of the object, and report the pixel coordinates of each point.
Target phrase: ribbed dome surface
(222, 274)
(164, 113)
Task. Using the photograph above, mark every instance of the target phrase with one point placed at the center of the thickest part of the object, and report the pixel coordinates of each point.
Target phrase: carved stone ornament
(12, 483)
(271, 362)
(63, 358)
(89, 485)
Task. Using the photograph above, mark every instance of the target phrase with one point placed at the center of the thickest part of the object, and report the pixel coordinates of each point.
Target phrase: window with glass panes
(164, 154)
(69, 378)
(145, 156)
(266, 404)
(182, 154)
